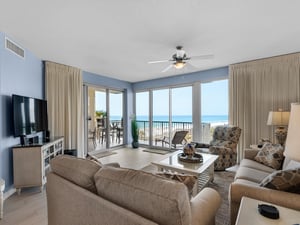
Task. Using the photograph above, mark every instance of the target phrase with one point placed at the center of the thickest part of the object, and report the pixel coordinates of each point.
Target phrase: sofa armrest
(250, 153)
(237, 191)
(204, 207)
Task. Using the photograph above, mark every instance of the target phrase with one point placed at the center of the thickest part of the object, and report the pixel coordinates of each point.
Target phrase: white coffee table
(2, 186)
(203, 171)
(249, 215)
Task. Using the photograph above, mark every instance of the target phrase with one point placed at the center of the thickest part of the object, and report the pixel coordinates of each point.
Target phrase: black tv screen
(29, 115)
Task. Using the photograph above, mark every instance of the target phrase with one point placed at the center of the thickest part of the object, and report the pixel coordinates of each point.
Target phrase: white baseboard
(9, 193)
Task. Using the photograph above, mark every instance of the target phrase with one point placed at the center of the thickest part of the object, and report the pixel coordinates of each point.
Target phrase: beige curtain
(64, 96)
(258, 87)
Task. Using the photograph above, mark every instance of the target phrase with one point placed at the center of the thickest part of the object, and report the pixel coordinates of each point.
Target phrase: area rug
(101, 154)
(221, 183)
(157, 151)
(222, 180)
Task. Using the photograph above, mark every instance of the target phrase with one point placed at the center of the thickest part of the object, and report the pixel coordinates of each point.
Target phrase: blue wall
(18, 76)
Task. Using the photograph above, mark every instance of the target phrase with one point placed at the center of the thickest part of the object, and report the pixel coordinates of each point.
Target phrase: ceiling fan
(180, 59)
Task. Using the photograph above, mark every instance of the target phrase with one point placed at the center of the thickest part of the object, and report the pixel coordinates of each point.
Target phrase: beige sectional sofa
(247, 182)
(82, 192)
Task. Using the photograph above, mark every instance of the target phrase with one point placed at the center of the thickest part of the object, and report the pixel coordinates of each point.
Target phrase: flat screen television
(29, 115)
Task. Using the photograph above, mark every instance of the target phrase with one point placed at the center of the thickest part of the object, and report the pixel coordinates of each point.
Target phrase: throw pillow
(270, 155)
(283, 180)
(188, 180)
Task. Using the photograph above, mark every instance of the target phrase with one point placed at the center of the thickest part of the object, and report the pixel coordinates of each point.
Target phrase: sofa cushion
(158, 199)
(256, 165)
(77, 170)
(270, 155)
(283, 180)
(250, 174)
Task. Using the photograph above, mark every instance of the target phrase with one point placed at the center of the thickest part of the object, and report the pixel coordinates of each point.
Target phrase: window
(214, 107)
(142, 116)
(162, 112)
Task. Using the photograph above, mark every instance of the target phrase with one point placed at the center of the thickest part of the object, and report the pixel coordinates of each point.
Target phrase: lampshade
(292, 147)
(280, 118)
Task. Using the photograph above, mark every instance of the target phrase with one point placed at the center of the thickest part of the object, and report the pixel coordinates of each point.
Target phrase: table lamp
(292, 148)
(279, 119)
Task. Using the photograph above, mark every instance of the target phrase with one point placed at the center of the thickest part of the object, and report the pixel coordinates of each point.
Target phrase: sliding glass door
(104, 118)
(116, 118)
(165, 115)
(181, 110)
(161, 117)
(101, 118)
(142, 116)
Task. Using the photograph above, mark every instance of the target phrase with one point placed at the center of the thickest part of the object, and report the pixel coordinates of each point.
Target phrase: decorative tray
(196, 158)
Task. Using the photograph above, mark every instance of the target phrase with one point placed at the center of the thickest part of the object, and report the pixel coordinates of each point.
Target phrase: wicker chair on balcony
(224, 144)
(178, 139)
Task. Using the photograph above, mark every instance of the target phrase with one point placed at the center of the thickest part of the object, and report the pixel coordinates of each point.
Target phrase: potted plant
(100, 114)
(134, 133)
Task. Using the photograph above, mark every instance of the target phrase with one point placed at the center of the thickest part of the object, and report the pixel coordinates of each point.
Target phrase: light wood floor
(28, 208)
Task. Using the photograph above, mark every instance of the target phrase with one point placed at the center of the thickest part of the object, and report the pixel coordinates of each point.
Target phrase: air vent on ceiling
(14, 48)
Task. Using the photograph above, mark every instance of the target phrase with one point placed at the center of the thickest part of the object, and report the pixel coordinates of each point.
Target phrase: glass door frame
(86, 87)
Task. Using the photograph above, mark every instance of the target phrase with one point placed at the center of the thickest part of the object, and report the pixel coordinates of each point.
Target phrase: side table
(249, 215)
(2, 186)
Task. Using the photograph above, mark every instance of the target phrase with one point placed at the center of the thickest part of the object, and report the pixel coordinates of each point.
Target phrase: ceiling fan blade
(167, 68)
(159, 61)
(202, 57)
(191, 65)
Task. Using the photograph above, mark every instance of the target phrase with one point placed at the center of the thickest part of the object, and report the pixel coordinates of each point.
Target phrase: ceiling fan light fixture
(179, 65)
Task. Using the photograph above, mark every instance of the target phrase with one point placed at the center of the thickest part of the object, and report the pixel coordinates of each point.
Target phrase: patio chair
(92, 137)
(178, 138)
(224, 144)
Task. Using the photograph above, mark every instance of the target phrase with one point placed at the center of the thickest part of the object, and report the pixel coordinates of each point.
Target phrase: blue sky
(214, 98)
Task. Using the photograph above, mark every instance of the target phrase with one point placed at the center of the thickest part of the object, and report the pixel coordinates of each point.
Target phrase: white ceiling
(117, 38)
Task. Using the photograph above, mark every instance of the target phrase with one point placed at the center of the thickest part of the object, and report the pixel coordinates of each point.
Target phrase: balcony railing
(161, 129)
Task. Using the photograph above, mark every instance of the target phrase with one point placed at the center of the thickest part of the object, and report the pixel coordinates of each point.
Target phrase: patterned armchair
(224, 143)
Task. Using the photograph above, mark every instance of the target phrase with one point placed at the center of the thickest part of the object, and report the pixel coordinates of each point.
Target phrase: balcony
(161, 129)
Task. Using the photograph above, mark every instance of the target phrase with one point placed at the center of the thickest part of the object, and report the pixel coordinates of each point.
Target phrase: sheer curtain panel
(260, 86)
(64, 96)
